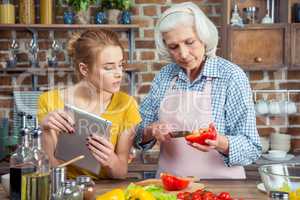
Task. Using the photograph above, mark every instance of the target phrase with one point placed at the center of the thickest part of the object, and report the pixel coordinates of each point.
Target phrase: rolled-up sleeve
(241, 131)
(149, 113)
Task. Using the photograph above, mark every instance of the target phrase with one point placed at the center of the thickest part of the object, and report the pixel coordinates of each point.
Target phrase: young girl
(98, 58)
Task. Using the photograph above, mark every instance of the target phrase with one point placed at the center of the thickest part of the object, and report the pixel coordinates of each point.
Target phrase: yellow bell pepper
(116, 194)
(138, 194)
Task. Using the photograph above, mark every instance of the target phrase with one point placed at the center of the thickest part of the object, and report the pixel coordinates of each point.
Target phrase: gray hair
(186, 14)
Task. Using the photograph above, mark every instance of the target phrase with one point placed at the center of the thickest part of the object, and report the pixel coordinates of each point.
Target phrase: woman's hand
(221, 144)
(59, 121)
(161, 131)
(102, 150)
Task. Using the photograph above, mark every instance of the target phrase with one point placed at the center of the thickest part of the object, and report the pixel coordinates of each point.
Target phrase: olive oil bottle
(21, 162)
(37, 185)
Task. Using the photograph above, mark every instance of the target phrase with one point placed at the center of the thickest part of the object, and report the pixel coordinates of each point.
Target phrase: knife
(177, 134)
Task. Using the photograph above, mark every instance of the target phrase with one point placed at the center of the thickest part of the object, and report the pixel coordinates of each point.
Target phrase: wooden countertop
(238, 189)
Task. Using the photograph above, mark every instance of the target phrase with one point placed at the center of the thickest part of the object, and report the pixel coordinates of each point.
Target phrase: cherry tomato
(187, 195)
(199, 191)
(224, 196)
(196, 196)
(180, 196)
(208, 196)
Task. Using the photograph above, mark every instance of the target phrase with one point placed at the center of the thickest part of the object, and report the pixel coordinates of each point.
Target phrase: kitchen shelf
(258, 26)
(33, 70)
(36, 70)
(115, 27)
(128, 28)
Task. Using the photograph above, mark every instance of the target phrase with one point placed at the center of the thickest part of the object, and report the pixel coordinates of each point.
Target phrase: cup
(288, 107)
(274, 108)
(262, 107)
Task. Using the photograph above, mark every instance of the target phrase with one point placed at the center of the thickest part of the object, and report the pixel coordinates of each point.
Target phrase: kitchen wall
(146, 13)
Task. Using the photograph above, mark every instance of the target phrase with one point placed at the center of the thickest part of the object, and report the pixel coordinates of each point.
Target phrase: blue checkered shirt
(232, 106)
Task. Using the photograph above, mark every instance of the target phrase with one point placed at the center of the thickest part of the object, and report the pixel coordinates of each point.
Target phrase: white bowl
(277, 153)
(5, 182)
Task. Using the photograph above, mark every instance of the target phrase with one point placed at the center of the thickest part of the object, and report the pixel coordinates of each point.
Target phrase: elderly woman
(198, 88)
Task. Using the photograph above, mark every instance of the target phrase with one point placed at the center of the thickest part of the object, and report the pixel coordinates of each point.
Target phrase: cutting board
(193, 186)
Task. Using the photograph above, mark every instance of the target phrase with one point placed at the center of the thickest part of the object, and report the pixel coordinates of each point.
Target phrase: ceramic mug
(262, 107)
(288, 107)
(274, 108)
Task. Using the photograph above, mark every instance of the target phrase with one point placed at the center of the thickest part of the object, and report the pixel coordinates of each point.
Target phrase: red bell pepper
(173, 183)
(199, 136)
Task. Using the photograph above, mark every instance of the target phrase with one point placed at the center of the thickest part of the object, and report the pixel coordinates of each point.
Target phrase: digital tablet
(73, 145)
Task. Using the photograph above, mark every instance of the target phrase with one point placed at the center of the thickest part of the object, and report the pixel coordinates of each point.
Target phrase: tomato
(196, 196)
(187, 195)
(173, 183)
(224, 196)
(180, 196)
(203, 134)
(208, 195)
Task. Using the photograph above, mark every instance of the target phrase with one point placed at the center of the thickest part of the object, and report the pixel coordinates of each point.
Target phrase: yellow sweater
(122, 112)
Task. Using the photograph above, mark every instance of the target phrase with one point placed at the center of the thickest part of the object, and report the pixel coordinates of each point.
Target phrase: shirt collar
(210, 70)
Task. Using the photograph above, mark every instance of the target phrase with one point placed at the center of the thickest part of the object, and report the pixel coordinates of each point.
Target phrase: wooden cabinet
(262, 46)
(253, 49)
(295, 45)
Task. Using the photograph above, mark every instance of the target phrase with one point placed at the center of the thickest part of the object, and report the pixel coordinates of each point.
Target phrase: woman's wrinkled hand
(221, 144)
(59, 121)
(102, 150)
(161, 131)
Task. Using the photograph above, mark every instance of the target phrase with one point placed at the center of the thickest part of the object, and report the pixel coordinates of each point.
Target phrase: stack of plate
(280, 142)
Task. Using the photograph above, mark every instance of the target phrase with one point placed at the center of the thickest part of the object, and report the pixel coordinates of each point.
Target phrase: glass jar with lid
(47, 14)
(7, 12)
(26, 12)
(69, 191)
(87, 185)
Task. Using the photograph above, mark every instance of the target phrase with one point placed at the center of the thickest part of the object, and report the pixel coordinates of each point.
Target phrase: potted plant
(81, 9)
(126, 6)
(114, 8)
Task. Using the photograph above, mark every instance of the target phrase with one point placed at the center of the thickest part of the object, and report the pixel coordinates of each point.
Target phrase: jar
(58, 176)
(26, 12)
(69, 191)
(7, 12)
(86, 185)
(276, 195)
(47, 12)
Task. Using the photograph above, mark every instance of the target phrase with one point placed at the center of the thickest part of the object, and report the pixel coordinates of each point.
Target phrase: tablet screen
(73, 145)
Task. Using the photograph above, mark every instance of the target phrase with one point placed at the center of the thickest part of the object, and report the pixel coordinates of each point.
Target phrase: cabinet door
(295, 44)
(258, 46)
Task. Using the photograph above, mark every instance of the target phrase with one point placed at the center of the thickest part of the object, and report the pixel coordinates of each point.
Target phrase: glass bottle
(37, 185)
(26, 12)
(87, 185)
(70, 191)
(21, 163)
(47, 15)
(7, 12)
